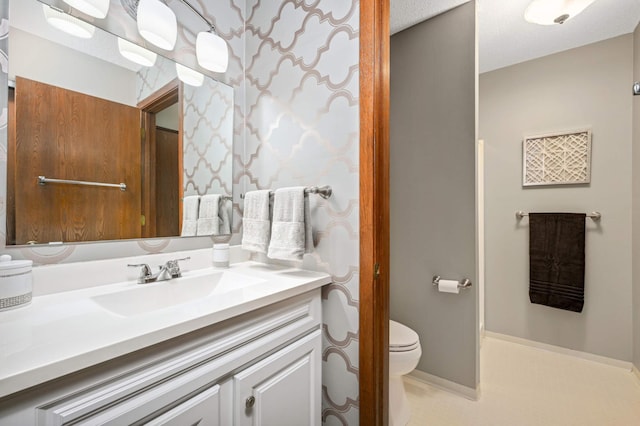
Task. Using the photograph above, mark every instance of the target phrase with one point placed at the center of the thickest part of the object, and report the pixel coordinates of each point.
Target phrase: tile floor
(524, 386)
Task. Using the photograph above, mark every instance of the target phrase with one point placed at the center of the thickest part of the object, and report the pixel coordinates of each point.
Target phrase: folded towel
(208, 220)
(256, 226)
(556, 260)
(224, 214)
(291, 235)
(190, 206)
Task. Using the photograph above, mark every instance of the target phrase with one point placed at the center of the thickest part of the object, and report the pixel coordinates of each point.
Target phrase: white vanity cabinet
(258, 368)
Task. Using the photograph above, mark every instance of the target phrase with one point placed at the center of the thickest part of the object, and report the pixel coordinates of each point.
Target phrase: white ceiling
(505, 38)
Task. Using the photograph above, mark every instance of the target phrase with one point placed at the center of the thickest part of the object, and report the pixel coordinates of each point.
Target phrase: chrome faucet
(171, 269)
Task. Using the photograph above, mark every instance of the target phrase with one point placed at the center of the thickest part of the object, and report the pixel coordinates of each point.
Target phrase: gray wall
(587, 86)
(433, 189)
(636, 202)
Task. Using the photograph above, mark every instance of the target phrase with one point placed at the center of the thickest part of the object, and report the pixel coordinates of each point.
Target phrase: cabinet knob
(250, 402)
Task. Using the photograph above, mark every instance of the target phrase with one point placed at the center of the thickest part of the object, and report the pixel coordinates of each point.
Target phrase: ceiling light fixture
(67, 23)
(157, 24)
(189, 76)
(550, 12)
(212, 51)
(96, 8)
(137, 54)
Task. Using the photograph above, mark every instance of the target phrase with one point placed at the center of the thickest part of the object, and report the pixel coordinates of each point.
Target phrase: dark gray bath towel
(556, 260)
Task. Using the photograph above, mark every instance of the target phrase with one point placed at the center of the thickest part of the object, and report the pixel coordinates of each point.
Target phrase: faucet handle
(145, 272)
(173, 268)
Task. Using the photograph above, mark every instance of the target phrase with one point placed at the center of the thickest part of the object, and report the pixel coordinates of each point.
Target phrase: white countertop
(64, 332)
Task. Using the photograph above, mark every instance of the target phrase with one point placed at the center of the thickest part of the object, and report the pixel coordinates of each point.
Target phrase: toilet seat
(402, 338)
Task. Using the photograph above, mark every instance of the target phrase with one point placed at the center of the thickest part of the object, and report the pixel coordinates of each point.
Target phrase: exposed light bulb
(157, 24)
(189, 76)
(135, 53)
(96, 8)
(550, 12)
(212, 52)
(67, 23)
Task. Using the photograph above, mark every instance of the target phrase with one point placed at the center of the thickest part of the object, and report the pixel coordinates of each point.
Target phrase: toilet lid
(402, 338)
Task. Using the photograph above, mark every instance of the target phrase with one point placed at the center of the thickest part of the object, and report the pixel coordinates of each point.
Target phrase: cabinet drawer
(203, 410)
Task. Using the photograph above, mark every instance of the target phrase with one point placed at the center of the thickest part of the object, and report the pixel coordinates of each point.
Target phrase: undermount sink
(145, 298)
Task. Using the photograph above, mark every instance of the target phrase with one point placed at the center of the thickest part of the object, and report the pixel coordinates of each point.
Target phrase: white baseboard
(636, 372)
(558, 349)
(444, 384)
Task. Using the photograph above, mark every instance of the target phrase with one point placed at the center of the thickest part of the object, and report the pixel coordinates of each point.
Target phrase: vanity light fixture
(212, 51)
(157, 24)
(96, 8)
(137, 54)
(67, 23)
(189, 76)
(550, 12)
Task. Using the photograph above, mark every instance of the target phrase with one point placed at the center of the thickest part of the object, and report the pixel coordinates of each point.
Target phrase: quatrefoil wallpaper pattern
(302, 128)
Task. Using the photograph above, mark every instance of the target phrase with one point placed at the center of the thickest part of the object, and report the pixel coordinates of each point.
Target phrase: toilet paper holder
(463, 283)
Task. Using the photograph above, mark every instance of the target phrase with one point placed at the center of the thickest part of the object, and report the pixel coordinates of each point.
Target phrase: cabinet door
(283, 389)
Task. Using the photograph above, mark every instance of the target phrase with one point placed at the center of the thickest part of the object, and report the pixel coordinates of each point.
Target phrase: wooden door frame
(162, 98)
(374, 212)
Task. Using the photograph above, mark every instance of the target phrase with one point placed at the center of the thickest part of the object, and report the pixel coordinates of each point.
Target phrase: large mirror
(82, 115)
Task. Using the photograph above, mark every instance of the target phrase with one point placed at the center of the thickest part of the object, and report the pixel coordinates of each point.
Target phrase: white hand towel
(256, 226)
(190, 206)
(224, 214)
(208, 221)
(291, 235)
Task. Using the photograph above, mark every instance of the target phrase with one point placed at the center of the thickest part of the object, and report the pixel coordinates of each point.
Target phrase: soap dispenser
(16, 282)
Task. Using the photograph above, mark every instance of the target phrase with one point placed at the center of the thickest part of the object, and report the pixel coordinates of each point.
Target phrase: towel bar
(44, 180)
(463, 283)
(323, 191)
(222, 197)
(593, 215)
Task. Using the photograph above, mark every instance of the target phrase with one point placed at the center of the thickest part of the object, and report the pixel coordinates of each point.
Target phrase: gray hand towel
(225, 216)
(190, 206)
(291, 235)
(256, 226)
(208, 220)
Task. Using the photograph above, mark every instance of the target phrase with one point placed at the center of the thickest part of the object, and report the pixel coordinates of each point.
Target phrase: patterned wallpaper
(296, 122)
(150, 79)
(208, 138)
(302, 128)
(208, 128)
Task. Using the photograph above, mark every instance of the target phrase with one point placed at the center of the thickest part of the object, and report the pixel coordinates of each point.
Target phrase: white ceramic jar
(16, 282)
(221, 255)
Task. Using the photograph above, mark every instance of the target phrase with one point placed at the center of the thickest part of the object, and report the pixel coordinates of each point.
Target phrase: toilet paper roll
(448, 286)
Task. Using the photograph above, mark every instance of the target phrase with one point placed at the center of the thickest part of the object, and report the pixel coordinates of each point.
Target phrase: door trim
(162, 98)
(374, 212)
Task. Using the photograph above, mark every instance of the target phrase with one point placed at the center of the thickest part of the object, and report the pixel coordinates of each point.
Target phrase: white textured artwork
(557, 159)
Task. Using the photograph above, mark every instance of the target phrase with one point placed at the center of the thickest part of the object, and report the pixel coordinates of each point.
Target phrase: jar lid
(7, 264)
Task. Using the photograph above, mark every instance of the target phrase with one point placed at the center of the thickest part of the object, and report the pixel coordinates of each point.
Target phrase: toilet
(404, 354)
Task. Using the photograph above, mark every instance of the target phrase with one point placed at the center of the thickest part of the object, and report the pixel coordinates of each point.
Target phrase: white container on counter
(16, 282)
(221, 255)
